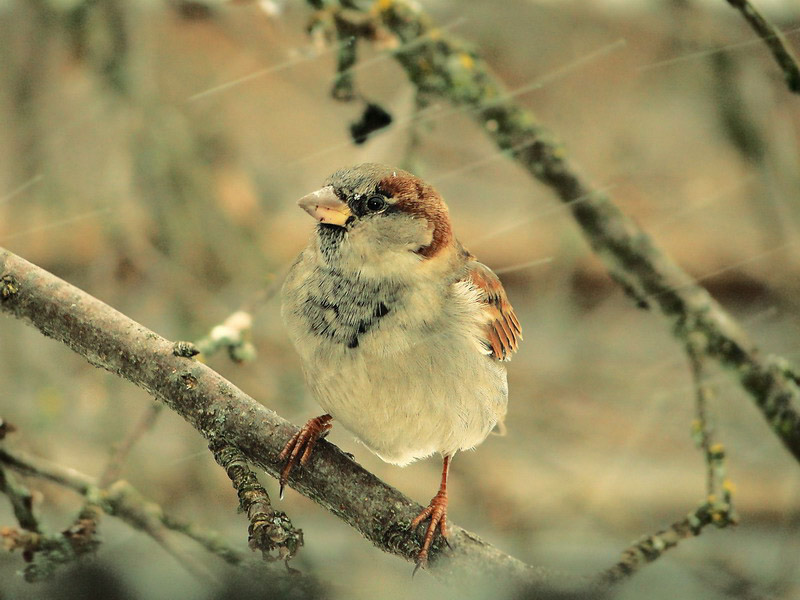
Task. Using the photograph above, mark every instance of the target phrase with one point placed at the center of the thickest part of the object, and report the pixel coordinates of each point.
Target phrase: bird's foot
(301, 444)
(437, 512)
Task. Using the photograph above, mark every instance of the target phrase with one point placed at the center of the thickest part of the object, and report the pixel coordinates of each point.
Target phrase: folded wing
(503, 332)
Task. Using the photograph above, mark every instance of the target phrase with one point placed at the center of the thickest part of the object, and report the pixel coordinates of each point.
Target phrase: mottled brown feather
(503, 331)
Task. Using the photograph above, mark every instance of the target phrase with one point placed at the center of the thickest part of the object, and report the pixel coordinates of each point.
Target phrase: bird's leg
(437, 511)
(301, 444)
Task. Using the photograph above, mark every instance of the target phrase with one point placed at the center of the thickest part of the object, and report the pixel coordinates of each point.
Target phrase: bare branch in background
(719, 489)
(651, 547)
(21, 501)
(123, 501)
(82, 534)
(116, 463)
(716, 510)
(45, 553)
(775, 41)
(120, 499)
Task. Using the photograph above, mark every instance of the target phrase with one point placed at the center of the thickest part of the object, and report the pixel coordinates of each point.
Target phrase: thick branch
(220, 411)
(444, 66)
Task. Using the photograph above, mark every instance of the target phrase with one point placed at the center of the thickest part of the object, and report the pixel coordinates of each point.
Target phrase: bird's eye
(376, 203)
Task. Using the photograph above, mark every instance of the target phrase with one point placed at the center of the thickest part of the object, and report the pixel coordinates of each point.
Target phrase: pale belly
(439, 395)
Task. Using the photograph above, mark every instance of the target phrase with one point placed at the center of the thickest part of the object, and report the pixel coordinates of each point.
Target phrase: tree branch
(716, 510)
(120, 499)
(124, 502)
(45, 553)
(270, 530)
(775, 41)
(221, 412)
(21, 501)
(651, 547)
(719, 489)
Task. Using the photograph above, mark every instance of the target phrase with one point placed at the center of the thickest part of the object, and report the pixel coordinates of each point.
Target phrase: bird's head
(375, 217)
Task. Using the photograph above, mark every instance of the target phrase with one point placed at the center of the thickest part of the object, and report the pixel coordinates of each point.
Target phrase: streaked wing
(503, 331)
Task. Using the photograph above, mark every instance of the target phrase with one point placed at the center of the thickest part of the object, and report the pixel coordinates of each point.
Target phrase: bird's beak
(324, 205)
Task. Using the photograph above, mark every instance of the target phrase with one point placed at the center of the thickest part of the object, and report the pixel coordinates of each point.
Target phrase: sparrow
(402, 333)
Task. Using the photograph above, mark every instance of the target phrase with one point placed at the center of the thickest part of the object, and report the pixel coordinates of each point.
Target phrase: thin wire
(21, 188)
(482, 161)
(318, 54)
(538, 215)
(725, 269)
(46, 226)
(702, 53)
(525, 265)
(682, 213)
(266, 71)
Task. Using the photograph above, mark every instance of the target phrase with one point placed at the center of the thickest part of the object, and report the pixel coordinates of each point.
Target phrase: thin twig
(718, 507)
(146, 516)
(270, 530)
(21, 501)
(87, 523)
(116, 462)
(775, 41)
(121, 500)
(45, 553)
(45, 469)
(719, 489)
(208, 539)
(233, 334)
(701, 426)
(653, 546)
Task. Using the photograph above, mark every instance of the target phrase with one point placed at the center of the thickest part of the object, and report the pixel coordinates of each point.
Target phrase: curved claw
(301, 444)
(437, 512)
(417, 567)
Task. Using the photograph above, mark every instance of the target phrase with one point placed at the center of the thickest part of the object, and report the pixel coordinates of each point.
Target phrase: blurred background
(151, 153)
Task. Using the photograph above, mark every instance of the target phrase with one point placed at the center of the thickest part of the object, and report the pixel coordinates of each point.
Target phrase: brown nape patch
(417, 198)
